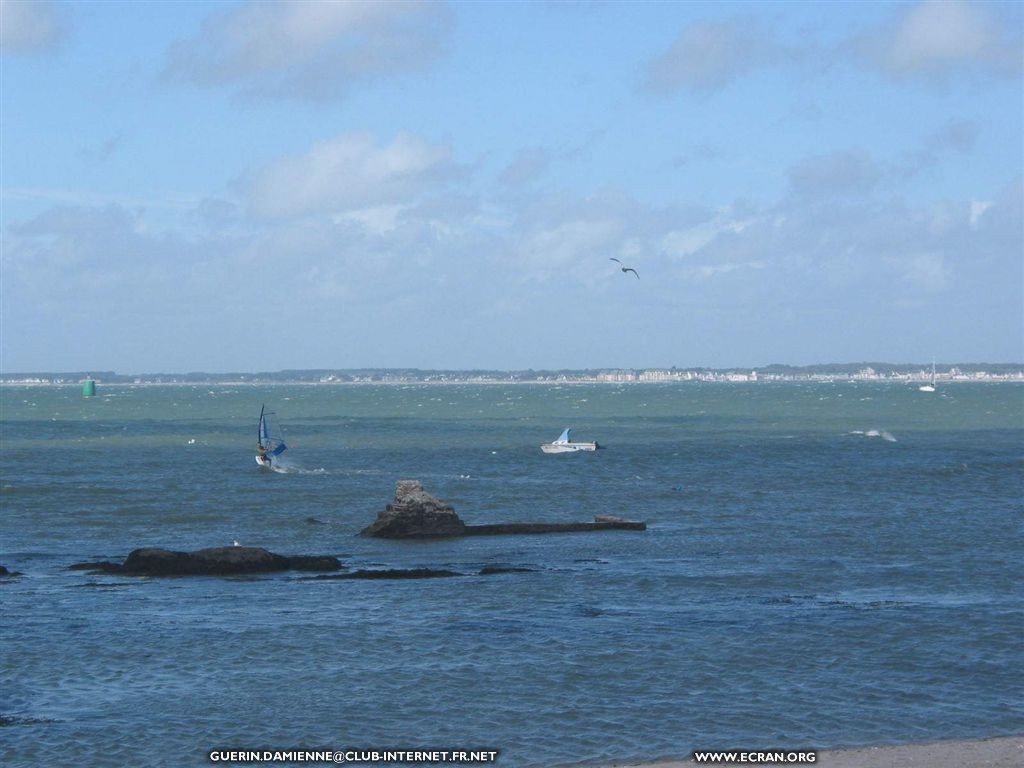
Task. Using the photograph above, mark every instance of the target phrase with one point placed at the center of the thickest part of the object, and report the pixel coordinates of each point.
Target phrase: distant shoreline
(819, 379)
(911, 373)
(1000, 752)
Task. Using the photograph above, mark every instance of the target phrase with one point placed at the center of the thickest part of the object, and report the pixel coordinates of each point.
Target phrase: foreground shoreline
(1000, 752)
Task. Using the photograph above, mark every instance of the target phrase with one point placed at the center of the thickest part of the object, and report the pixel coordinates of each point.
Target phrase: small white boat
(269, 442)
(929, 387)
(565, 445)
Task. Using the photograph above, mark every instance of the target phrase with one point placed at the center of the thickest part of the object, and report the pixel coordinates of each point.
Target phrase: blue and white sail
(270, 439)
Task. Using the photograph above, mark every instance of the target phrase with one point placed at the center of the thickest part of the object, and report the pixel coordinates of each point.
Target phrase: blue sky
(256, 186)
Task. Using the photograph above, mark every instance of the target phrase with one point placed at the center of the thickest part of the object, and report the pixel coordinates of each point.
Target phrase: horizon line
(590, 369)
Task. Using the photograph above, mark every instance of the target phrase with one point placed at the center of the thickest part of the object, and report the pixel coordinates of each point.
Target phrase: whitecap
(887, 436)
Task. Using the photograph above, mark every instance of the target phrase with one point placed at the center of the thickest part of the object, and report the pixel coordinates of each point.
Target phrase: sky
(243, 186)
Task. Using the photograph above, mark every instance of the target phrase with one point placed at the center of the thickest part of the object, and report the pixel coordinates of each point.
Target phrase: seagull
(626, 269)
(234, 543)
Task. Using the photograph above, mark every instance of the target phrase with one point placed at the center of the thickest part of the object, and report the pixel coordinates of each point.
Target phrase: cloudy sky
(254, 186)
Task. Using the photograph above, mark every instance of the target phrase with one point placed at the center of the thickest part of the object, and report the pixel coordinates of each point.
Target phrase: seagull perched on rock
(626, 269)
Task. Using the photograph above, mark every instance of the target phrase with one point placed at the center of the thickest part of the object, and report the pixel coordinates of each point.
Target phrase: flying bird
(626, 269)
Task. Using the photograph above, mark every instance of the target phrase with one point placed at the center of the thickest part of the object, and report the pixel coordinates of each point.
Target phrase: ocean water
(825, 565)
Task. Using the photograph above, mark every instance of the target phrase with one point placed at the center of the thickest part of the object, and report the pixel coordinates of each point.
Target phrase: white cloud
(682, 243)
(527, 165)
(932, 38)
(570, 240)
(707, 56)
(959, 135)
(378, 220)
(978, 208)
(712, 270)
(938, 37)
(927, 271)
(28, 26)
(567, 242)
(848, 172)
(310, 49)
(374, 284)
(349, 172)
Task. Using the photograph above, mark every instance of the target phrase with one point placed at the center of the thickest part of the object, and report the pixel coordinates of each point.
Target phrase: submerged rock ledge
(498, 529)
(391, 573)
(415, 514)
(217, 561)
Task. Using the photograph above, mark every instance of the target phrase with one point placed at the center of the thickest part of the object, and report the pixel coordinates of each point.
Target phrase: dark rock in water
(410, 573)
(4, 572)
(415, 514)
(609, 519)
(489, 570)
(6, 720)
(314, 563)
(99, 585)
(520, 528)
(101, 566)
(218, 561)
(314, 521)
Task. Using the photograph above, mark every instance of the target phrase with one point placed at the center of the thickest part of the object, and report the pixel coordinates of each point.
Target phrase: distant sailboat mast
(929, 387)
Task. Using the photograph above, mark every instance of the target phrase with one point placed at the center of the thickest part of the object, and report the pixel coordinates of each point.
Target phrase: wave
(288, 467)
(299, 470)
(887, 436)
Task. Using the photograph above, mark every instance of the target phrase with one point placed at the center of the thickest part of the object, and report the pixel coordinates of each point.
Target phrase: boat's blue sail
(564, 437)
(270, 436)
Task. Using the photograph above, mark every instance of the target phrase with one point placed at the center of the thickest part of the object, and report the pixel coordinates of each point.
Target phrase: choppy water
(825, 565)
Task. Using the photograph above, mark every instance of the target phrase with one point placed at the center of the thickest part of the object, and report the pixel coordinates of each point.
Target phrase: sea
(825, 565)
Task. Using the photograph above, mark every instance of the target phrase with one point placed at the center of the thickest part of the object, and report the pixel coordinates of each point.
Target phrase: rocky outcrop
(4, 572)
(218, 561)
(415, 514)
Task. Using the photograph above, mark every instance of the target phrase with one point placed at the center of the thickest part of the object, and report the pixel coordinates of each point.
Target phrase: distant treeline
(531, 374)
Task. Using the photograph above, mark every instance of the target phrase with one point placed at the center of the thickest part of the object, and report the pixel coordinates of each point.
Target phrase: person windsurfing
(262, 455)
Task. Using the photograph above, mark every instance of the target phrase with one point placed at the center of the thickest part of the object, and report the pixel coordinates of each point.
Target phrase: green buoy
(89, 388)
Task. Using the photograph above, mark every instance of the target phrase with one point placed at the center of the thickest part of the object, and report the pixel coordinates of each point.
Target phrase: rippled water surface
(825, 565)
